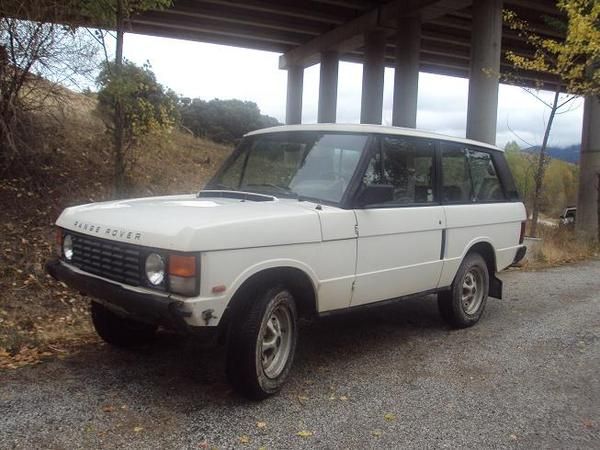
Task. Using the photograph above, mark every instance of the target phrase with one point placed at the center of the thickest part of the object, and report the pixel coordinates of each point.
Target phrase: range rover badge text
(107, 231)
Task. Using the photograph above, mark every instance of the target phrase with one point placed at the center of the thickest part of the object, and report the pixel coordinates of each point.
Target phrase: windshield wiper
(282, 189)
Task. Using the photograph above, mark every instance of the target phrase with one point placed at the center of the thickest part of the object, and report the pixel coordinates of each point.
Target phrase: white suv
(300, 221)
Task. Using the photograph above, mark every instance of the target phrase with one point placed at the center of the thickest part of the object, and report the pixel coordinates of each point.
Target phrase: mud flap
(495, 287)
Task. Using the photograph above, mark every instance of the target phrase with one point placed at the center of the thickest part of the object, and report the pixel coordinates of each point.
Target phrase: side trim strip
(443, 247)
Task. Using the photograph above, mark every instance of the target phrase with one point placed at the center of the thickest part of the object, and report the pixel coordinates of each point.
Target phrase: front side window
(295, 164)
(407, 165)
(469, 175)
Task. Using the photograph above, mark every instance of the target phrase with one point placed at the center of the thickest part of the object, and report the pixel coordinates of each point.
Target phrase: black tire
(245, 368)
(453, 308)
(119, 331)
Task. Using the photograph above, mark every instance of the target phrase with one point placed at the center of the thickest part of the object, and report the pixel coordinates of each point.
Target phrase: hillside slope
(561, 181)
(69, 164)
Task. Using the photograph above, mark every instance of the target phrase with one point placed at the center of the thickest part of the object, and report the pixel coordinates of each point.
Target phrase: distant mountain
(569, 154)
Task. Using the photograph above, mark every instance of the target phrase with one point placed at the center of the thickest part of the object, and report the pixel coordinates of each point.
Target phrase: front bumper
(145, 307)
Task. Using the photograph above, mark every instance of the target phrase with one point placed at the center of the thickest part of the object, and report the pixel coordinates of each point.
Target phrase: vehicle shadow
(185, 371)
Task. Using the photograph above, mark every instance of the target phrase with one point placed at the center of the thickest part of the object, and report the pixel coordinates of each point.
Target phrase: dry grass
(71, 165)
(175, 164)
(562, 245)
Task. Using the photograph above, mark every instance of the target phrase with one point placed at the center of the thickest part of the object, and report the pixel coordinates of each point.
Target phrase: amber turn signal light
(182, 266)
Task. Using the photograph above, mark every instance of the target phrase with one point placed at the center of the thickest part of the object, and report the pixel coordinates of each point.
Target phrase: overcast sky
(210, 71)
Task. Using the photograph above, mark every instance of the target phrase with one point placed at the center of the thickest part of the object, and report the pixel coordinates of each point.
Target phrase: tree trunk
(541, 167)
(118, 134)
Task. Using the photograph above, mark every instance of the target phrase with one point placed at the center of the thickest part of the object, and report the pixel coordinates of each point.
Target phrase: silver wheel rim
(472, 291)
(276, 342)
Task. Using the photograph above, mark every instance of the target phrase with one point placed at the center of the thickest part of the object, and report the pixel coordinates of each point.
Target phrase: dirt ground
(72, 165)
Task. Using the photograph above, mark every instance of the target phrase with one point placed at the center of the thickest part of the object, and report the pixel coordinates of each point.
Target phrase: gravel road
(528, 376)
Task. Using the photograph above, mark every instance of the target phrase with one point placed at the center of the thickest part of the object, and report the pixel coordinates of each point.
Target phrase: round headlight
(155, 269)
(67, 247)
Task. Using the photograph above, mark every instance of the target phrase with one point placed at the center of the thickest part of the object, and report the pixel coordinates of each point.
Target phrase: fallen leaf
(261, 424)
(389, 417)
(377, 433)
(138, 429)
(304, 434)
(244, 440)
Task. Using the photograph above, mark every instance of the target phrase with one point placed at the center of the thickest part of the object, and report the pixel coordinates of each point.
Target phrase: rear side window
(469, 176)
(407, 164)
(486, 185)
(508, 183)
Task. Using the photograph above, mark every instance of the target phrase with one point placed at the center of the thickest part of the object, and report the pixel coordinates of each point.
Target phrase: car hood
(189, 223)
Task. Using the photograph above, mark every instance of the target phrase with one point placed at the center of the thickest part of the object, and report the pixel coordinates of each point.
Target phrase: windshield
(294, 164)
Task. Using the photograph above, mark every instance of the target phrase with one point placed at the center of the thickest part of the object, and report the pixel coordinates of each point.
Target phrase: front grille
(108, 259)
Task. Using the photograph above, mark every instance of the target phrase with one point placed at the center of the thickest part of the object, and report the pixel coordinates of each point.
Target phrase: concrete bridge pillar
(372, 81)
(406, 75)
(588, 199)
(486, 36)
(328, 84)
(293, 106)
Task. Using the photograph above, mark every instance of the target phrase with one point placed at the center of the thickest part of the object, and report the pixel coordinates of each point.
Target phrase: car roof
(363, 128)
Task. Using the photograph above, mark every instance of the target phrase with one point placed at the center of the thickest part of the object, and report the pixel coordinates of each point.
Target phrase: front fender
(274, 264)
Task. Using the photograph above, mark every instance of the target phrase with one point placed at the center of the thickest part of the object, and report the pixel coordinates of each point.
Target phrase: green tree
(512, 147)
(560, 179)
(521, 168)
(146, 106)
(560, 187)
(113, 14)
(572, 61)
(222, 120)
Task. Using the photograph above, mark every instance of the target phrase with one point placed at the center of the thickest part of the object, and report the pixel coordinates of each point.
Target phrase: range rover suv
(301, 221)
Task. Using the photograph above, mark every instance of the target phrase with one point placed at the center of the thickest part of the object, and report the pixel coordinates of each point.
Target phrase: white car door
(400, 241)
(325, 174)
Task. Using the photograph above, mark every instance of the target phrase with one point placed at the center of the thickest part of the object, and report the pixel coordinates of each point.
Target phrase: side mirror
(373, 194)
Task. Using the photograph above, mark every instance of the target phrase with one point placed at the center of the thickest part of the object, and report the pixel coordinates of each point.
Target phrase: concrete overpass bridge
(464, 38)
(452, 37)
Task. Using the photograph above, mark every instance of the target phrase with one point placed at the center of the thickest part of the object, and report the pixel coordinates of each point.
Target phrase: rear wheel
(262, 344)
(463, 305)
(119, 331)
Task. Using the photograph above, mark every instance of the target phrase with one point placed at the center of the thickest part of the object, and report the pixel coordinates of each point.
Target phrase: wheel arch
(488, 253)
(299, 282)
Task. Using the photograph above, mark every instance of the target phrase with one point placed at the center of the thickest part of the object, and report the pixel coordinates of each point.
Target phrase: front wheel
(262, 344)
(463, 305)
